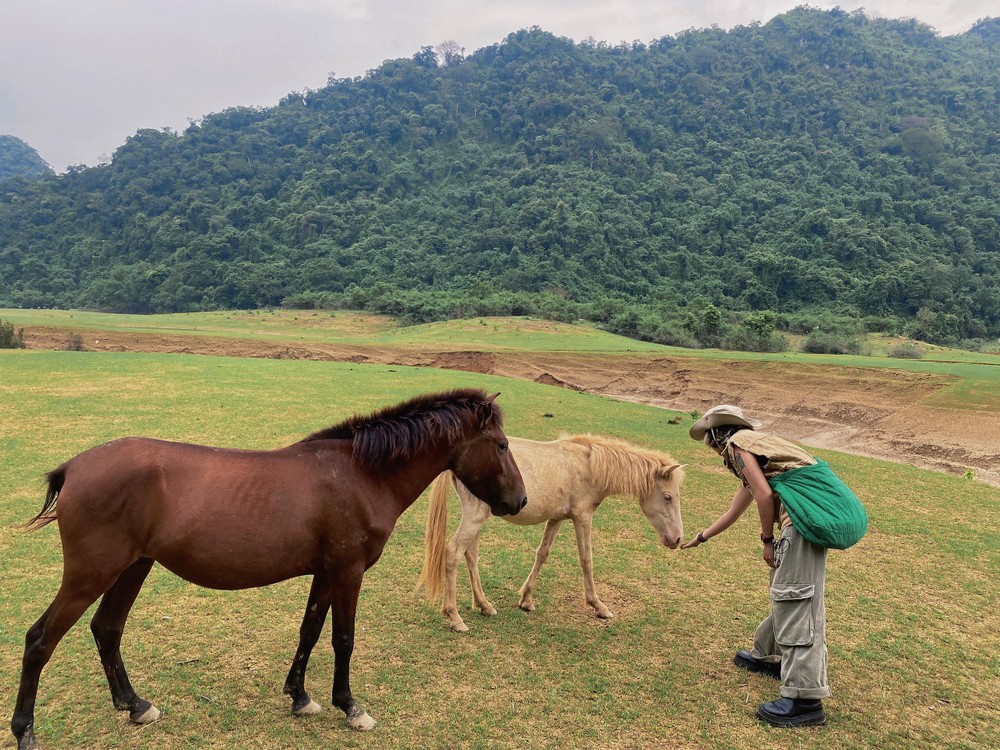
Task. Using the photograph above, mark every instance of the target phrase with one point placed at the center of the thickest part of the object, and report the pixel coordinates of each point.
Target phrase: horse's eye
(667, 497)
(502, 446)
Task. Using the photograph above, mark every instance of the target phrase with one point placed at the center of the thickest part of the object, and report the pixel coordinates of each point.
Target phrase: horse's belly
(206, 567)
(531, 516)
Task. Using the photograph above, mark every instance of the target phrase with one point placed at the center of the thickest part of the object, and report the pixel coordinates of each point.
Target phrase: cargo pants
(795, 631)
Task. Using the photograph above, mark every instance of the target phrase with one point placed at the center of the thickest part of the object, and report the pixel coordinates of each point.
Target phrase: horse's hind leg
(72, 600)
(312, 625)
(107, 627)
(474, 514)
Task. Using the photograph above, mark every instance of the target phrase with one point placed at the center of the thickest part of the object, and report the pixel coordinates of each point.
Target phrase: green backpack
(822, 508)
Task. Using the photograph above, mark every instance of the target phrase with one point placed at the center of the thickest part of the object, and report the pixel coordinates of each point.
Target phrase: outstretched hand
(695, 542)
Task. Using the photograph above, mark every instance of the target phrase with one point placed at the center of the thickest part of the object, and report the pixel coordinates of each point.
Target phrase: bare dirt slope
(873, 412)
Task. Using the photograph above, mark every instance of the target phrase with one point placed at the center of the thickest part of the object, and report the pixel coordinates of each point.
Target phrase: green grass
(974, 377)
(306, 326)
(912, 635)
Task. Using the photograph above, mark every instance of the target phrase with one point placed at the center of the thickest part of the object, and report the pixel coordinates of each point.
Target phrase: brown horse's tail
(55, 479)
(434, 541)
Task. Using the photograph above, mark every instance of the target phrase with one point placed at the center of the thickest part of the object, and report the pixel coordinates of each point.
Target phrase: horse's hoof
(459, 627)
(27, 742)
(527, 606)
(488, 610)
(312, 707)
(359, 720)
(148, 716)
(605, 614)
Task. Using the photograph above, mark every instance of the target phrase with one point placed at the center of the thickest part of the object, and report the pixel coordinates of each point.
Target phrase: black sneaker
(792, 712)
(746, 660)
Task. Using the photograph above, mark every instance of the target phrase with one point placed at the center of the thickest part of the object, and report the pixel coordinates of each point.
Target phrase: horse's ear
(668, 470)
(493, 398)
(485, 410)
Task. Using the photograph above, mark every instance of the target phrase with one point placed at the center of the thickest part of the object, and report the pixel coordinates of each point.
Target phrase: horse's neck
(618, 481)
(611, 487)
(410, 478)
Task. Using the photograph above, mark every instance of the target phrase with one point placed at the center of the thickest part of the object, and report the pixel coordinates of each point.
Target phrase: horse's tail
(434, 540)
(55, 480)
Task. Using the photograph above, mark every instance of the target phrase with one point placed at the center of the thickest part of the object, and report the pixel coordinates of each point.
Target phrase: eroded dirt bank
(878, 413)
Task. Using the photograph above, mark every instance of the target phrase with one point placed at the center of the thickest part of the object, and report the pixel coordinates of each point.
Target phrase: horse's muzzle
(671, 543)
(510, 509)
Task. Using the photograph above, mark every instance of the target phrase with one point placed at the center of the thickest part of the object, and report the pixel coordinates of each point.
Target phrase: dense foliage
(820, 168)
(18, 159)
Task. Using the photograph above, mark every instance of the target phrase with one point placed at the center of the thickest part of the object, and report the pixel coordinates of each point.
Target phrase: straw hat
(719, 415)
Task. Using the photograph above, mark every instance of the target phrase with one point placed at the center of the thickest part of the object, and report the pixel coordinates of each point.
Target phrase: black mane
(397, 433)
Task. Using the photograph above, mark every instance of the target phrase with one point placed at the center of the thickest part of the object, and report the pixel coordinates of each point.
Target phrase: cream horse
(565, 478)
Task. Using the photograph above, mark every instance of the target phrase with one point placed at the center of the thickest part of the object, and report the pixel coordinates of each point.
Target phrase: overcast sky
(77, 77)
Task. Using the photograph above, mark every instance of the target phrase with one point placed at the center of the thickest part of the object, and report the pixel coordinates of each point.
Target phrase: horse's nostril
(524, 501)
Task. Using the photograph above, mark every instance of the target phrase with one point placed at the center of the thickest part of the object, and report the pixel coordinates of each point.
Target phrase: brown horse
(234, 519)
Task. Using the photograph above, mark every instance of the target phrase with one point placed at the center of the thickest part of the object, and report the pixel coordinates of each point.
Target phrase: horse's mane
(397, 433)
(623, 468)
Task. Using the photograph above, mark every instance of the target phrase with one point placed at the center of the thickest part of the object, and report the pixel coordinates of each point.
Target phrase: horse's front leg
(312, 625)
(583, 527)
(479, 600)
(344, 607)
(527, 602)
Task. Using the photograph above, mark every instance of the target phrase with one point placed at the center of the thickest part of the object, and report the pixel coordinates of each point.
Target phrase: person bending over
(790, 644)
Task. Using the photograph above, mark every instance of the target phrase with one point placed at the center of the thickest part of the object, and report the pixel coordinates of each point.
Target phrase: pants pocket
(792, 613)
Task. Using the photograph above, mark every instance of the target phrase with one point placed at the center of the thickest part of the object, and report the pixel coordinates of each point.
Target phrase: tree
(450, 52)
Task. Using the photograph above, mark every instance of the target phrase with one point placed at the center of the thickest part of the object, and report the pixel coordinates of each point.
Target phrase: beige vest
(774, 455)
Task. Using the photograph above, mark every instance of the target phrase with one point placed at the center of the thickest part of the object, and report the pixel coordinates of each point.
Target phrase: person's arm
(741, 501)
(764, 496)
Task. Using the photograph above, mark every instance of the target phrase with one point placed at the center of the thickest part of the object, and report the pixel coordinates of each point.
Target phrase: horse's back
(139, 481)
(184, 504)
(556, 476)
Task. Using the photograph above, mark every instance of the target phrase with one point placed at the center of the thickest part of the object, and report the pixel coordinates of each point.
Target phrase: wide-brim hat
(720, 415)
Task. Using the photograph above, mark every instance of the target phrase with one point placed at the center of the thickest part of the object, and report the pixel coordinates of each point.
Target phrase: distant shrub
(878, 324)
(75, 343)
(820, 342)
(755, 333)
(311, 301)
(906, 350)
(674, 336)
(9, 338)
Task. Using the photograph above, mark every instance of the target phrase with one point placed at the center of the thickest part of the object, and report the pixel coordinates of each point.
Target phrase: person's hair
(717, 437)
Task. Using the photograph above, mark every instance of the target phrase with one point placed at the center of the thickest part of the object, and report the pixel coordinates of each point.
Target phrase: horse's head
(486, 466)
(661, 504)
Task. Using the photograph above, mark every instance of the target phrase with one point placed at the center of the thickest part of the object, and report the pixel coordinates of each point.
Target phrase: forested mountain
(18, 159)
(823, 165)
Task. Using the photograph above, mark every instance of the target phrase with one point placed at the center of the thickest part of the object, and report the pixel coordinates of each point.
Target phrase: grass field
(911, 609)
(976, 376)
(291, 326)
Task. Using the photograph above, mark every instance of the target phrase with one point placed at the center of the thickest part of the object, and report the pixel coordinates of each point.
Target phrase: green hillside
(824, 167)
(18, 159)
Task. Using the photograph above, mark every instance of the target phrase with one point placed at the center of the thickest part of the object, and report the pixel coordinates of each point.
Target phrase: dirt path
(878, 413)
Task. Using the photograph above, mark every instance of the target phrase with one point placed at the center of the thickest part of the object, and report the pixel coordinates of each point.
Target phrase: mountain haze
(824, 166)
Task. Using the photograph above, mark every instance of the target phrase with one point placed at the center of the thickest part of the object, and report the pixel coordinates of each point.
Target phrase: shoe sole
(813, 719)
(752, 666)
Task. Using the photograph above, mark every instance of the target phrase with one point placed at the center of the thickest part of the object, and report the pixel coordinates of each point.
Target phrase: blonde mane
(622, 468)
